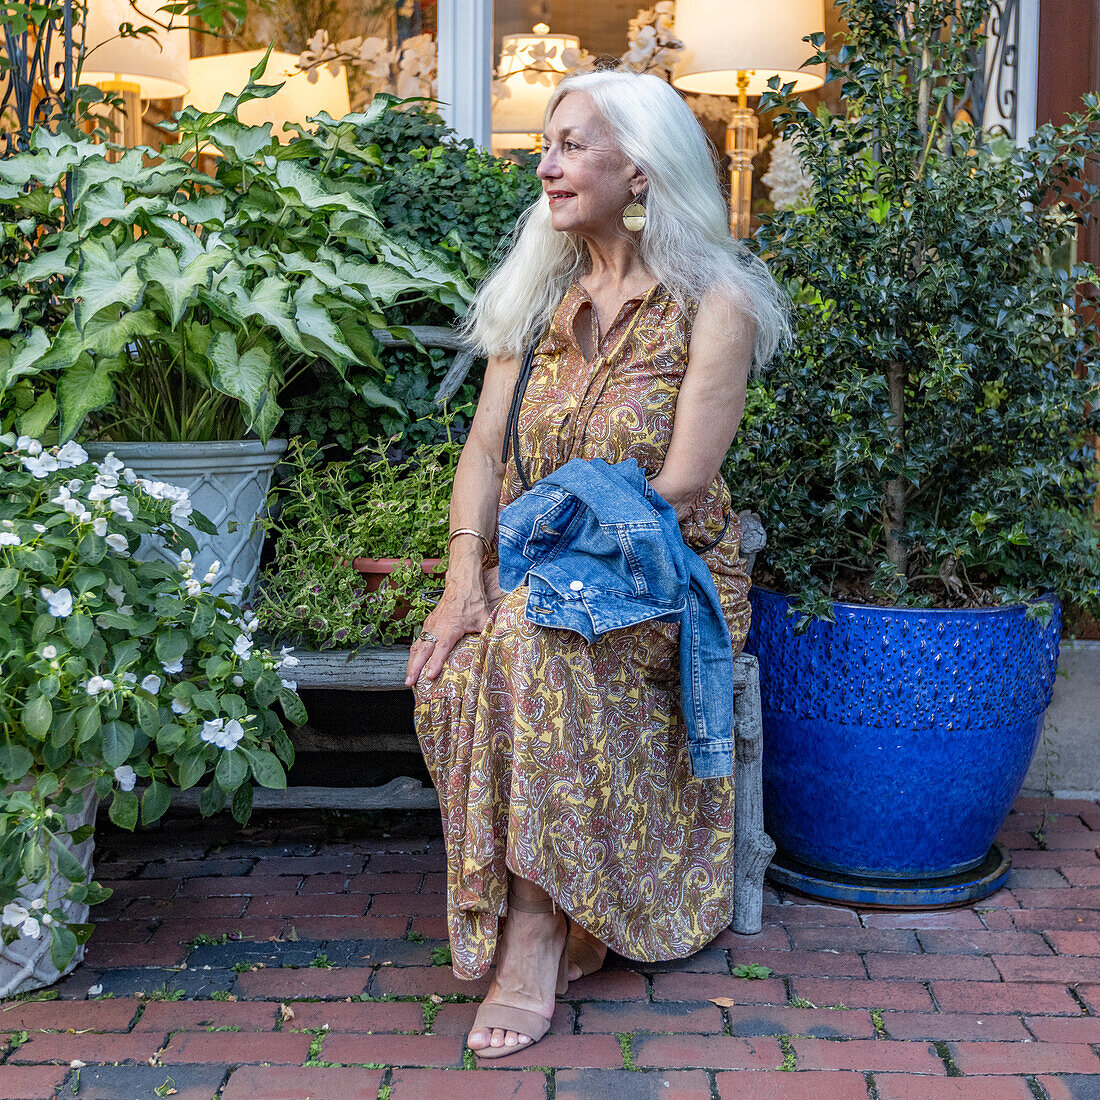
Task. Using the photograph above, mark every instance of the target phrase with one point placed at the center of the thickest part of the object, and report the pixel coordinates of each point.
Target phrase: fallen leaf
(722, 1002)
(436, 999)
(292, 935)
(286, 1012)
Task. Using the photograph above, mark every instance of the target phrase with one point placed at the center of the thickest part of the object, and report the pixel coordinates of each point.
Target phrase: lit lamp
(295, 101)
(132, 68)
(530, 68)
(737, 46)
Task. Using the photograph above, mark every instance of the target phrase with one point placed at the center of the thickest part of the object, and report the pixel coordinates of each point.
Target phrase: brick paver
(995, 1001)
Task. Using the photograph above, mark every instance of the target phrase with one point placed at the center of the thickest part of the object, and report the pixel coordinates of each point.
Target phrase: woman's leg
(529, 953)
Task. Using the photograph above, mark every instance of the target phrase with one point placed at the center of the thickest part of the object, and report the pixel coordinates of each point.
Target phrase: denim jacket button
(576, 585)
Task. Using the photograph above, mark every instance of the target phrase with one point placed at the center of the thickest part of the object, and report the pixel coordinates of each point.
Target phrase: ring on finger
(427, 636)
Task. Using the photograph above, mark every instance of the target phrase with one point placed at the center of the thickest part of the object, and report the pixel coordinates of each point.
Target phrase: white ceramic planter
(228, 483)
(25, 963)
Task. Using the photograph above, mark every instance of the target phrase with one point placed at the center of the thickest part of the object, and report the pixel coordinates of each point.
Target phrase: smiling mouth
(557, 196)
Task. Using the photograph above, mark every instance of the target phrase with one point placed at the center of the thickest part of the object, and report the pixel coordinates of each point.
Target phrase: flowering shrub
(114, 670)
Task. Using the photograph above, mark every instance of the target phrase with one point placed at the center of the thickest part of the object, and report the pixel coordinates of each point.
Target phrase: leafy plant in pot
(115, 671)
(360, 546)
(189, 302)
(922, 462)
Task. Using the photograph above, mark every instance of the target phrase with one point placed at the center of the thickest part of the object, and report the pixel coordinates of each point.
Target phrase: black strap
(511, 429)
(714, 542)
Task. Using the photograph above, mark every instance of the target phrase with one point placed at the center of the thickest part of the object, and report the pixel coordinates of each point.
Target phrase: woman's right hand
(461, 610)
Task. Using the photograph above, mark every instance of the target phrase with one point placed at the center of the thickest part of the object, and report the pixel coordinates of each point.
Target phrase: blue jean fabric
(600, 550)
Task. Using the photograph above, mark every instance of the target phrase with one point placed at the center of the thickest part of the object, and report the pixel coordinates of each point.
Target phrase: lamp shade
(295, 101)
(762, 39)
(159, 67)
(530, 68)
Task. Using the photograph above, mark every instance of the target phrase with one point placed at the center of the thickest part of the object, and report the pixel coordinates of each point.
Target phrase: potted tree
(923, 463)
(116, 671)
(186, 303)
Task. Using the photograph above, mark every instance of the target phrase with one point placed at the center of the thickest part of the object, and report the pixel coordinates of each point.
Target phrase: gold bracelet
(469, 531)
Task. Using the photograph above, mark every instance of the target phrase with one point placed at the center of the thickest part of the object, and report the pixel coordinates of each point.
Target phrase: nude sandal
(505, 1017)
(581, 953)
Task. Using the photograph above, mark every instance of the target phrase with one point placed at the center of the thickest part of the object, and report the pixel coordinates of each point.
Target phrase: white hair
(685, 244)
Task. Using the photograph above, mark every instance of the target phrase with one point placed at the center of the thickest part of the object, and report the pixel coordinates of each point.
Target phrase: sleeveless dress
(565, 763)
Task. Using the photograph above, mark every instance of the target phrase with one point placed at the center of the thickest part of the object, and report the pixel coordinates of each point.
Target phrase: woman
(562, 770)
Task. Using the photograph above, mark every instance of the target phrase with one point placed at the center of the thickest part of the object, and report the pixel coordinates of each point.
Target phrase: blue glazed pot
(895, 742)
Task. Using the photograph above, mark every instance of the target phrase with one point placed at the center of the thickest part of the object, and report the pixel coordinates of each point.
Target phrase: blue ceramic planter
(895, 742)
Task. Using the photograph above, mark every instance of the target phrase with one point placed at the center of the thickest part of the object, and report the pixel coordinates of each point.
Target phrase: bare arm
(710, 404)
(464, 607)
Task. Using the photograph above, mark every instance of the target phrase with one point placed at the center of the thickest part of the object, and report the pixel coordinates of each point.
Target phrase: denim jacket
(600, 550)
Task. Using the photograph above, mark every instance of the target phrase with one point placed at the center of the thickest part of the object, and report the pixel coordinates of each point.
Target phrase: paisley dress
(566, 763)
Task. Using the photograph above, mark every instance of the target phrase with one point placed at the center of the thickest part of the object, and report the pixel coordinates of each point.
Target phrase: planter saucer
(869, 892)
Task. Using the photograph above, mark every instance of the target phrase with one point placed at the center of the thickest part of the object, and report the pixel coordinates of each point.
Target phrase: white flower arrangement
(126, 672)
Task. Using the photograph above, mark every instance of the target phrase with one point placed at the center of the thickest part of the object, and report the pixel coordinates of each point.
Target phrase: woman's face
(586, 177)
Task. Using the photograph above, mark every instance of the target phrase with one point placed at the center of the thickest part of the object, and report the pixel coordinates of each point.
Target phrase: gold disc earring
(634, 217)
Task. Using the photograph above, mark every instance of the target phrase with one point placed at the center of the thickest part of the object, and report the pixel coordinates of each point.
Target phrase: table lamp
(737, 46)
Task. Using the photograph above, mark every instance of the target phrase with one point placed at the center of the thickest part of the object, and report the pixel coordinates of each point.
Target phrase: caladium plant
(174, 304)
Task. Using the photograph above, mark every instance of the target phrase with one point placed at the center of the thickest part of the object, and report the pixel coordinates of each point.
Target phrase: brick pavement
(303, 957)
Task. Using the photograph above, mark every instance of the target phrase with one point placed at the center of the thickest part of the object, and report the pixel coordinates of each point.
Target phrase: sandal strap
(509, 1018)
(585, 955)
(525, 905)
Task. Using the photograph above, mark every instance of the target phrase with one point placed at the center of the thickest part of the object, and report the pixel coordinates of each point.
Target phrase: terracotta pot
(376, 570)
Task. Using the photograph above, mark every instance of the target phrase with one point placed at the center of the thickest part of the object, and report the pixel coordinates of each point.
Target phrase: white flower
(151, 683)
(234, 588)
(185, 554)
(175, 666)
(253, 624)
(97, 684)
(31, 446)
(110, 464)
(242, 647)
(85, 517)
(72, 506)
(47, 919)
(99, 526)
(31, 927)
(14, 914)
(72, 454)
(102, 492)
(38, 903)
(129, 476)
(49, 652)
(39, 527)
(290, 685)
(127, 678)
(60, 602)
(126, 777)
(95, 990)
(212, 729)
(40, 467)
(181, 706)
(10, 538)
(117, 593)
(215, 568)
(75, 484)
(286, 658)
(180, 510)
(238, 680)
(120, 505)
(118, 543)
(193, 587)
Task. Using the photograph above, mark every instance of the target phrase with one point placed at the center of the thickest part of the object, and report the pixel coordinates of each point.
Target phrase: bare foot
(528, 957)
(577, 933)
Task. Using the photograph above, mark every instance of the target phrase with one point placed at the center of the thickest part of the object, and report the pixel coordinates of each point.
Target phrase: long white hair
(686, 242)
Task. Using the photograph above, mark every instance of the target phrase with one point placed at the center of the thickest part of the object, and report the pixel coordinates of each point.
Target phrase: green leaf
(155, 801)
(37, 716)
(192, 767)
(9, 578)
(15, 761)
(251, 378)
(241, 807)
(23, 355)
(171, 646)
(124, 809)
(62, 945)
(293, 707)
(162, 268)
(118, 742)
(267, 769)
(69, 866)
(78, 629)
(83, 388)
(88, 721)
(211, 800)
(102, 281)
(232, 769)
